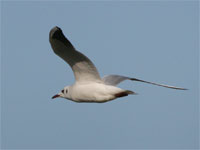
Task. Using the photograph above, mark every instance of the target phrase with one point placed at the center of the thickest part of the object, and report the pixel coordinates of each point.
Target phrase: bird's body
(94, 92)
(89, 86)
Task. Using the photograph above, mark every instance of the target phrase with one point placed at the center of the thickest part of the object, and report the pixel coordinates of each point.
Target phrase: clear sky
(150, 40)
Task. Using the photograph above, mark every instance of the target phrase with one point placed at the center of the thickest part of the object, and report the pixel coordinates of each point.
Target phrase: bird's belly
(98, 93)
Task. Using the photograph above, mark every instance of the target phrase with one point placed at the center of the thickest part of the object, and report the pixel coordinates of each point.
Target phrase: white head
(64, 93)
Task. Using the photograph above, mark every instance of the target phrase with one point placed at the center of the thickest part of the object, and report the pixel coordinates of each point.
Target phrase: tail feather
(130, 92)
(124, 93)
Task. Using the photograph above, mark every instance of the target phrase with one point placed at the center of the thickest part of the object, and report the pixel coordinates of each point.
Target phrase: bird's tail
(124, 93)
(130, 92)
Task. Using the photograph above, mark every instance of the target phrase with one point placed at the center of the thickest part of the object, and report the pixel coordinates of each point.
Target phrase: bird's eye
(66, 91)
(62, 91)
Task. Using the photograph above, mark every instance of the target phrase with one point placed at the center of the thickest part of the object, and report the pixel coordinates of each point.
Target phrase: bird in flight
(89, 86)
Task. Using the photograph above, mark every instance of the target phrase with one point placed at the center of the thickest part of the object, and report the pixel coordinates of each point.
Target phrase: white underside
(92, 92)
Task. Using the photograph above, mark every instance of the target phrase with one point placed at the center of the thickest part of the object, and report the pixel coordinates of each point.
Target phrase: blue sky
(152, 40)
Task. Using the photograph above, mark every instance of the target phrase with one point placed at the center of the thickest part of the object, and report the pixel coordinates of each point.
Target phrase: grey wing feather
(116, 79)
(83, 68)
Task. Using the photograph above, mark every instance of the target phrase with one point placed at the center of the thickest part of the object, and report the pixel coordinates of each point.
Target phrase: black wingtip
(57, 27)
(183, 89)
(57, 34)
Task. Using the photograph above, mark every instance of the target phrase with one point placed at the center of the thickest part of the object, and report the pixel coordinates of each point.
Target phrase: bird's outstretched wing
(116, 79)
(83, 68)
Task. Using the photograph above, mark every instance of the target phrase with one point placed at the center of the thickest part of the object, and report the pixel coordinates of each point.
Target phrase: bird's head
(64, 93)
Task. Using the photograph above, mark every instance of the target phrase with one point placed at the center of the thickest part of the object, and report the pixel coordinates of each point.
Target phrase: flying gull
(89, 86)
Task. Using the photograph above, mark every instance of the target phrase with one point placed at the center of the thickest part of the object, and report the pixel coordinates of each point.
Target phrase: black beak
(55, 96)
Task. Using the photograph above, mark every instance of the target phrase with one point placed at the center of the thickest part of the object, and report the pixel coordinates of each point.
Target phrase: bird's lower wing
(83, 68)
(116, 79)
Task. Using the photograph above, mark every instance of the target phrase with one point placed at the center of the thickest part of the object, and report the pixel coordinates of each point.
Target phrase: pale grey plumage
(116, 79)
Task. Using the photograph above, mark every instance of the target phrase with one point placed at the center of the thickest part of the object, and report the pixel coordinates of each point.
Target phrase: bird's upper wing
(116, 79)
(83, 68)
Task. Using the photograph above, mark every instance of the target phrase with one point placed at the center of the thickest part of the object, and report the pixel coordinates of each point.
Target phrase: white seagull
(89, 86)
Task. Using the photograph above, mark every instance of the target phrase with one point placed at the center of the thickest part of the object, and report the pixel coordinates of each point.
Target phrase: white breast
(93, 92)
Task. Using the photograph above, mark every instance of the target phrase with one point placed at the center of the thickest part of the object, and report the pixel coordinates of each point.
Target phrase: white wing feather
(83, 68)
(116, 79)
